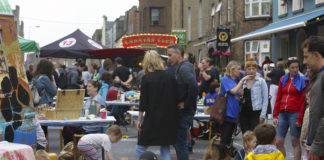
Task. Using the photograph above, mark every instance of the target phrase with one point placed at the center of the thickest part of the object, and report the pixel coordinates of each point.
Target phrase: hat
(272, 65)
(148, 155)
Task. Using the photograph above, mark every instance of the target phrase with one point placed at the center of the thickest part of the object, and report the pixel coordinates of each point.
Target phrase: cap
(148, 155)
(272, 65)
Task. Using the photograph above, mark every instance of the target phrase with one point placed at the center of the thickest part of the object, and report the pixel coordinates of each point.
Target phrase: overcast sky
(58, 18)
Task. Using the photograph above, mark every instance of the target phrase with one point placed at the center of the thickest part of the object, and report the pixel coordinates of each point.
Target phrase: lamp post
(30, 30)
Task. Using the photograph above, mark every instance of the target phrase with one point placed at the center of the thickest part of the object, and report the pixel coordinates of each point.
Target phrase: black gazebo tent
(74, 45)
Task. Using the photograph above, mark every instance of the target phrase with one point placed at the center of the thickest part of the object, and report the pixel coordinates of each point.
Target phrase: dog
(216, 151)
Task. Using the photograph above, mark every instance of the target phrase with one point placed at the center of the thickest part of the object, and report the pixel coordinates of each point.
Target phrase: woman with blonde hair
(229, 86)
(159, 102)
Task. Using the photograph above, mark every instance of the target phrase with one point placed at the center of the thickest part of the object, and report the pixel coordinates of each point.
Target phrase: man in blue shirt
(187, 92)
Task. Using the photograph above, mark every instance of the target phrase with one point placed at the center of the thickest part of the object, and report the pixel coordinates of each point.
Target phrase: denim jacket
(46, 89)
(259, 95)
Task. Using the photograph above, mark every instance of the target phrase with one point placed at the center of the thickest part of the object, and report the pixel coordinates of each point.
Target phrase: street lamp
(30, 29)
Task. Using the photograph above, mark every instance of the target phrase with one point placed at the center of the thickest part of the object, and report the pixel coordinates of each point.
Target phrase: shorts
(288, 120)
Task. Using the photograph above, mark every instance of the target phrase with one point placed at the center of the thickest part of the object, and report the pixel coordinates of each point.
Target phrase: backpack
(62, 80)
(34, 92)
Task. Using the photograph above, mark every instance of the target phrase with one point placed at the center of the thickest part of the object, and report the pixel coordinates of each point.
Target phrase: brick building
(201, 18)
(132, 21)
(155, 16)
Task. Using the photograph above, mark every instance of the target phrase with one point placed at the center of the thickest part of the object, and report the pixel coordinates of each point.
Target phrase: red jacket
(290, 100)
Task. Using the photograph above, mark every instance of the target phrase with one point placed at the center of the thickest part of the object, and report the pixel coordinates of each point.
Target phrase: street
(126, 147)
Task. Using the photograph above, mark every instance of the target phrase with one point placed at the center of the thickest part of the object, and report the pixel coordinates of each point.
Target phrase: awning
(27, 45)
(284, 25)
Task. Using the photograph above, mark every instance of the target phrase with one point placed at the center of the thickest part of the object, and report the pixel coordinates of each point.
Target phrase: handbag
(218, 109)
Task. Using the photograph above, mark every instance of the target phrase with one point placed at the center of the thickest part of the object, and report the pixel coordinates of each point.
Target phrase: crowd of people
(292, 100)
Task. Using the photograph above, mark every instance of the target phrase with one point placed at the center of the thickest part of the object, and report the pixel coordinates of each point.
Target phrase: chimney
(104, 28)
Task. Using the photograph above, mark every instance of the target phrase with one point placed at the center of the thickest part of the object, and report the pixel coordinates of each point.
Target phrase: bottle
(118, 96)
(93, 108)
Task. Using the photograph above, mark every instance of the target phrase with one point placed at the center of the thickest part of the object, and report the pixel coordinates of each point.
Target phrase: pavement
(125, 149)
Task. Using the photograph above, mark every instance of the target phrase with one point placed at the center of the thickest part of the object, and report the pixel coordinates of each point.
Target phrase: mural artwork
(16, 108)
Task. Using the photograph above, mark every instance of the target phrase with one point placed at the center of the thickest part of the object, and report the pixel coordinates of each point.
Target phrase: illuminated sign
(148, 41)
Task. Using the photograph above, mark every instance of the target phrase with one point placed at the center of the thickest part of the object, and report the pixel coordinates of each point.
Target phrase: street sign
(181, 35)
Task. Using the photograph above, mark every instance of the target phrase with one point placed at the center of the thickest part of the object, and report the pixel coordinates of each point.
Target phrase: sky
(58, 18)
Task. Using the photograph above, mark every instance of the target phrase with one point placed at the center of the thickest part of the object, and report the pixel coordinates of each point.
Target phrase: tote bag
(218, 109)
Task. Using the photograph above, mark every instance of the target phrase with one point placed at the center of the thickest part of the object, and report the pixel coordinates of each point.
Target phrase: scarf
(299, 81)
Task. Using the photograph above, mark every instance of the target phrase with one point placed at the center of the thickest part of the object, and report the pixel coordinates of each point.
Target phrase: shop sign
(148, 41)
(223, 39)
(181, 35)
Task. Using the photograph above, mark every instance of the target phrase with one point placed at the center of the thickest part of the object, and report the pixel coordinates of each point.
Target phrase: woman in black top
(159, 102)
(274, 77)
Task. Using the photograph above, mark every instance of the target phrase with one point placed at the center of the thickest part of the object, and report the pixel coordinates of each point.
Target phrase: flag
(256, 60)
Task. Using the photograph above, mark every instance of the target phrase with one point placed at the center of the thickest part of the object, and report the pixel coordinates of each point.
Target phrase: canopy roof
(284, 25)
(117, 52)
(27, 45)
(74, 45)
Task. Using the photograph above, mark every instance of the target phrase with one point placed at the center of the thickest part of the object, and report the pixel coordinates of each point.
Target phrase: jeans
(164, 150)
(181, 146)
(227, 132)
(288, 120)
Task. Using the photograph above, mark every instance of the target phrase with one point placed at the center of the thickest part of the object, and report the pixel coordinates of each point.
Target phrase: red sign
(148, 41)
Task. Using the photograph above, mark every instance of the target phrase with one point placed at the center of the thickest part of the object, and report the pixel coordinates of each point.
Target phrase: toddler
(249, 143)
(266, 139)
(90, 144)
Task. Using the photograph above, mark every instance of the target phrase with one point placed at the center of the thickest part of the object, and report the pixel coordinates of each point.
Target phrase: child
(212, 94)
(41, 155)
(89, 144)
(208, 103)
(249, 143)
(304, 130)
(266, 139)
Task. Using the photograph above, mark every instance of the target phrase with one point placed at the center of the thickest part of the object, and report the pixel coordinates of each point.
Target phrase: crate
(69, 104)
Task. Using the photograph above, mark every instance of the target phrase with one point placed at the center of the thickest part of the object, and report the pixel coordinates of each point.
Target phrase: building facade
(287, 43)
(19, 24)
(132, 21)
(202, 18)
(155, 16)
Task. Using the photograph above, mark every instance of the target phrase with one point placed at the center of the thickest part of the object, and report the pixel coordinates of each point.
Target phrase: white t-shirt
(98, 141)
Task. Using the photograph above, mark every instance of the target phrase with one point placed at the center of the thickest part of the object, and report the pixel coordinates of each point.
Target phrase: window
(189, 23)
(319, 1)
(155, 16)
(213, 10)
(297, 5)
(199, 55)
(282, 7)
(257, 50)
(220, 17)
(228, 10)
(257, 8)
(200, 19)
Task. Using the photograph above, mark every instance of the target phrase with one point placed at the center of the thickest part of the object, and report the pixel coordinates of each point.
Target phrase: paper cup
(103, 115)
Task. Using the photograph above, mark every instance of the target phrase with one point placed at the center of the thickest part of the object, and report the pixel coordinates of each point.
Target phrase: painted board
(17, 122)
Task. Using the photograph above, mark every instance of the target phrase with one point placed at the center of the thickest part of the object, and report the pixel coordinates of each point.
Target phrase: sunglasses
(292, 58)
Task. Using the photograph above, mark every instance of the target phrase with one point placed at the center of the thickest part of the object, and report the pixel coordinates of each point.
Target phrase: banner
(148, 41)
(181, 35)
